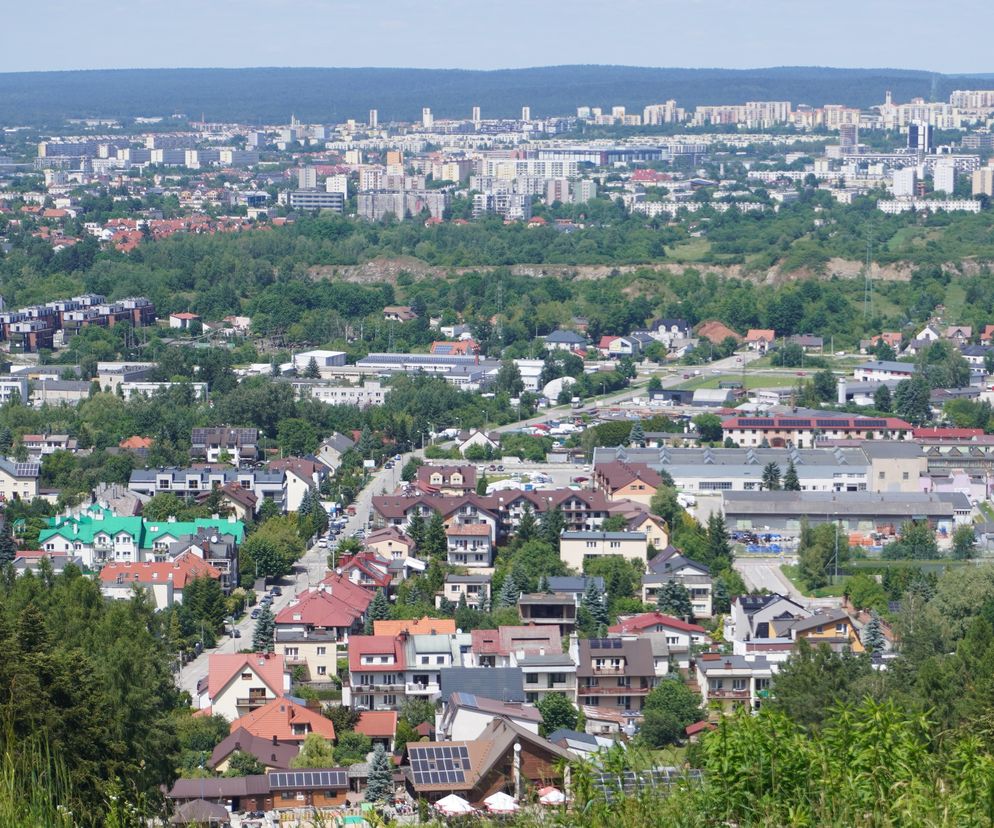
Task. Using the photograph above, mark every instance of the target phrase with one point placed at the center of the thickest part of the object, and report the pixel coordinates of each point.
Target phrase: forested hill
(268, 95)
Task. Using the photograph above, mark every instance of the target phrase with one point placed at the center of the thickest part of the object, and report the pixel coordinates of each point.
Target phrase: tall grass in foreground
(34, 786)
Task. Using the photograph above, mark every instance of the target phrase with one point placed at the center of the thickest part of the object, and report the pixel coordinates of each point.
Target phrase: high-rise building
(921, 138)
(427, 119)
(307, 178)
(848, 135)
(983, 181)
(526, 113)
(337, 184)
(904, 182)
(476, 114)
(374, 119)
(944, 178)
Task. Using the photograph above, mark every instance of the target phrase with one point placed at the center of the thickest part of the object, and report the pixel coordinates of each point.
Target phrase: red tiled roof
(375, 645)
(637, 623)
(377, 723)
(278, 717)
(181, 570)
(420, 626)
(946, 433)
(136, 442)
(223, 667)
(320, 608)
(617, 474)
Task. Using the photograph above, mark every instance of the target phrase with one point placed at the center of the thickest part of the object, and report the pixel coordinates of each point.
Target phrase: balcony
(252, 702)
(294, 660)
(612, 691)
(726, 693)
(609, 671)
(418, 689)
(379, 686)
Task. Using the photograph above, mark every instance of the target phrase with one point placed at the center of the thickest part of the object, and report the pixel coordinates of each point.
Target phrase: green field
(750, 381)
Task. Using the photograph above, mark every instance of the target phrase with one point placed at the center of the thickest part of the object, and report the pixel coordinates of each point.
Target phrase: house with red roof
(390, 543)
(376, 672)
(182, 321)
(283, 720)
(164, 581)
(760, 339)
(380, 726)
(238, 683)
(620, 480)
(367, 569)
(678, 635)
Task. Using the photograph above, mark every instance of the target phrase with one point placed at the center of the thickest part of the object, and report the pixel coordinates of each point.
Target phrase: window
(615, 544)
(881, 475)
(840, 628)
(558, 678)
(390, 700)
(904, 475)
(531, 678)
(322, 670)
(425, 659)
(322, 651)
(739, 684)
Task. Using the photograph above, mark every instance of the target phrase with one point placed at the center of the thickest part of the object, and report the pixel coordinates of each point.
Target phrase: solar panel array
(606, 644)
(795, 423)
(871, 423)
(755, 423)
(627, 783)
(828, 423)
(309, 779)
(439, 765)
(27, 469)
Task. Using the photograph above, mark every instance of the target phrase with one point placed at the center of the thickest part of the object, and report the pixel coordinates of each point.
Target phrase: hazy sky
(484, 34)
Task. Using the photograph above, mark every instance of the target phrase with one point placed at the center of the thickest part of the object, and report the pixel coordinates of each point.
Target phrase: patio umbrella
(453, 805)
(500, 803)
(551, 796)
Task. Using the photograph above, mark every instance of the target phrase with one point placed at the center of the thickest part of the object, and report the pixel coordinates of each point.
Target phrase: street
(309, 571)
(764, 574)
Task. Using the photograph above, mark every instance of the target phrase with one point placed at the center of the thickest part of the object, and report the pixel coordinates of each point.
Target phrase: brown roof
(637, 655)
(468, 530)
(272, 754)
(422, 626)
(617, 474)
(531, 638)
(377, 723)
(277, 719)
(715, 331)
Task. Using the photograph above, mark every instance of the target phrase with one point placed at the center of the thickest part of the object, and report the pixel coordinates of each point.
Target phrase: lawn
(693, 250)
(750, 381)
(792, 573)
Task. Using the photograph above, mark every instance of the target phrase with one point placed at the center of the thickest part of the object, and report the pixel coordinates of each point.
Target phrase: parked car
(256, 612)
(236, 633)
(276, 591)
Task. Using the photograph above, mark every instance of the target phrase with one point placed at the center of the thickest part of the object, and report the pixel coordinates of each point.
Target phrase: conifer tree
(265, 627)
(791, 483)
(379, 786)
(379, 610)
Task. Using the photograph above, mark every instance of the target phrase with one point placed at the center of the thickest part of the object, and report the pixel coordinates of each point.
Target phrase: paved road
(309, 571)
(765, 574)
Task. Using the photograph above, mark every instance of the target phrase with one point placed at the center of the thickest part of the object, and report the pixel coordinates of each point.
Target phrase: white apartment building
(903, 182)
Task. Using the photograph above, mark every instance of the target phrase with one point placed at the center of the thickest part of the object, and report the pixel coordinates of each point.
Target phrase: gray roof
(499, 683)
(573, 736)
(573, 583)
(846, 504)
(467, 579)
(887, 365)
(603, 536)
(547, 660)
(339, 442)
(566, 337)
(79, 386)
(819, 619)
(733, 662)
(688, 460)
(17, 469)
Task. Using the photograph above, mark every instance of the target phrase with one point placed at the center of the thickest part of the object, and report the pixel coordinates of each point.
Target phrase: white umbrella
(551, 796)
(500, 803)
(453, 805)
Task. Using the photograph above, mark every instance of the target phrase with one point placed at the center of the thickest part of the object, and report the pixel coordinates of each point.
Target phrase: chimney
(275, 740)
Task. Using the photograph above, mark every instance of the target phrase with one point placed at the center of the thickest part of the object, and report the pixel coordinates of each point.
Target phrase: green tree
(481, 484)
(435, 542)
(509, 592)
(823, 385)
(410, 470)
(791, 482)
(637, 435)
(265, 628)
(771, 477)
(911, 400)
(379, 787)
(964, 542)
(557, 712)
(416, 711)
(6, 441)
(317, 752)
(296, 437)
(882, 399)
(312, 371)
(416, 531)
(815, 678)
(243, 763)
(509, 380)
(988, 365)
(379, 610)
(615, 523)
(820, 549)
(916, 541)
(872, 636)
(719, 549)
(593, 603)
(709, 427)
(674, 599)
(527, 526)
(8, 546)
(552, 524)
(343, 718)
(352, 747)
(668, 709)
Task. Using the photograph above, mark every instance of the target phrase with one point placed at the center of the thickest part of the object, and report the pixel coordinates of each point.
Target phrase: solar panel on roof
(828, 423)
(756, 423)
(871, 423)
(795, 423)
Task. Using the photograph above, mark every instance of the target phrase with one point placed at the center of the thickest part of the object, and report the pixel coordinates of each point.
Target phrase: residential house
(880, 370)
(760, 339)
(669, 566)
(236, 684)
(446, 480)
(380, 726)
(657, 534)
(183, 321)
(809, 342)
(477, 438)
(271, 754)
(958, 334)
(415, 626)
(390, 543)
(463, 347)
(284, 720)
(615, 673)
(469, 544)
(309, 631)
(629, 481)
(562, 340)
(681, 637)
(164, 582)
(332, 448)
(575, 548)
(621, 346)
(398, 313)
(301, 476)
(29, 560)
(731, 681)
(833, 627)
(39, 445)
(761, 624)
(235, 445)
(536, 650)
(367, 569)
(218, 549)
(474, 588)
(19, 481)
(314, 788)
(466, 716)
(667, 331)
(377, 666)
(200, 482)
(557, 610)
(581, 745)
(505, 757)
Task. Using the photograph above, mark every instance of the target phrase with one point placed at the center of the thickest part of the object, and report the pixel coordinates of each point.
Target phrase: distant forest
(334, 95)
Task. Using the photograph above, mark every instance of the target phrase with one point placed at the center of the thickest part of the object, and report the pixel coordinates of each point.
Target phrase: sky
(484, 34)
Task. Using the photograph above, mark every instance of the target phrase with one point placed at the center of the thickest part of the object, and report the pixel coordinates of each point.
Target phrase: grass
(792, 573)
(693, 250)
(709, 380)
